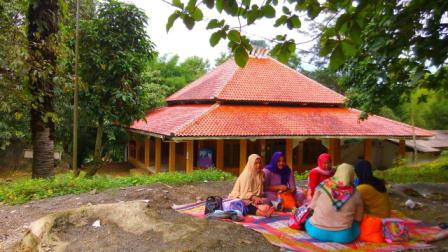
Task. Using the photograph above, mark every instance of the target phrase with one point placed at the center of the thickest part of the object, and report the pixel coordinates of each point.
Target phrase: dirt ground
(206, 235)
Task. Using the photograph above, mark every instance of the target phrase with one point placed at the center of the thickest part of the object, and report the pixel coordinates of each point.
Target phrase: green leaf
(252, 15)
(215, 37)
(171, 20)
(337, 58)
(197, 14)
(219, 5)
(268, 11)
(327, 46)
(214, 23)
(246, 2)
(234, 36)
(191, 5)
(231, 7)
(189, 22)
(348, 48)
(178, 4)
(241, 56)
(209, 3)
(280, 21)
(293, 22)
(286, 10)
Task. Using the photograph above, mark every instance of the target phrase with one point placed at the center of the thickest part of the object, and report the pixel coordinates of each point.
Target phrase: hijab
(340, 187)
(272, 166)
(363, 170)
(250, 182)
(324, 157)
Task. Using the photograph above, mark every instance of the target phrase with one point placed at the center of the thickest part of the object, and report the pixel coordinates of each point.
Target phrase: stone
(96, 224)
(93, 192)
(410, 204)
(413, 193)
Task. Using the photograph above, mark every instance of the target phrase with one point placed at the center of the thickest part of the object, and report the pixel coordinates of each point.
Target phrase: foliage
(327, 77)
(223, 57)
(302, 175)
(436, 171)
(384, 48)
(173, 75)
(22, 191)
(114, 51)
(14, 96)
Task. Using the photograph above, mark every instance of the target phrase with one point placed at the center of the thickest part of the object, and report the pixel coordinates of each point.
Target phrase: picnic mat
(277, 232)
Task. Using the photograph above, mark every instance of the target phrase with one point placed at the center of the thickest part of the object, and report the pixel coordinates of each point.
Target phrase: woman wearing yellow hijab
(249, 188)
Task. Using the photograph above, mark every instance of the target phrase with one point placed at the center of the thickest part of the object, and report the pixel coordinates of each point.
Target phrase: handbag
(213, 203)
(395, 230)
(299, 217)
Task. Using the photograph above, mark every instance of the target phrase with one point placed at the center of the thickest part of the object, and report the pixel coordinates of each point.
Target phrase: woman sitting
(279, 178)
(249, 188)
(322, 172)
(373, 191)
(338, 208)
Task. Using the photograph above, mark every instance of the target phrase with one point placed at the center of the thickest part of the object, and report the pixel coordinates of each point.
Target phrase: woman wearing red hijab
(320, 173)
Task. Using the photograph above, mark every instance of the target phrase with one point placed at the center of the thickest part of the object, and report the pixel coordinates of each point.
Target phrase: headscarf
(363, 170)
(340, 187)
(272, 166)
(324, 157)
(249, 183)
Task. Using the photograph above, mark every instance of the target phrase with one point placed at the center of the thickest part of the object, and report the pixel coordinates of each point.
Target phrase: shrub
(25, 190)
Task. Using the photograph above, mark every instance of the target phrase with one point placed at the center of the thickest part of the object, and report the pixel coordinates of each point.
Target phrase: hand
(257, 200)
(284, 188)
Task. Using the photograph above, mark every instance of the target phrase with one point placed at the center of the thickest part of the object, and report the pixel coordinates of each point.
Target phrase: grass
(25, 190)
(435, 171)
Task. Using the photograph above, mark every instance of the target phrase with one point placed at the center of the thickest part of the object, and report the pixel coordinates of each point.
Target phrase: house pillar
(137, 147)
(220, 154)
(300, 157)
(189, 156)
(243, 154)
(402, 149)
(147, 151)
(335, 151)
(289, 153)
(172, 157)
(263, 150)
(368, 150)
(129, 149)
(158, 155)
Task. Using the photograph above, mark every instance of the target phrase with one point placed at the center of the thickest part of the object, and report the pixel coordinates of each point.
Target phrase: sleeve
(359, 208)
(313, 181)
(314, 200)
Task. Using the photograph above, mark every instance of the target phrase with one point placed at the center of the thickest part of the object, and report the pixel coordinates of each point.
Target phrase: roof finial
(259, 52)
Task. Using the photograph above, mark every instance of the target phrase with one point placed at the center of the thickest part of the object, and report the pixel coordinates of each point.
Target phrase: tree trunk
(98, 147)
(43, 27)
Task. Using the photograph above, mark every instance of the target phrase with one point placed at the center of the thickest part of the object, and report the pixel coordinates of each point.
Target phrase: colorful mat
(277, 232)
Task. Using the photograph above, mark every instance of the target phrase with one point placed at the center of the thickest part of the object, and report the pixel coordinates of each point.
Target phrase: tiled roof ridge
(396, 122)
(299, 73)
(217, 94)
(199, 82)
(197, 118)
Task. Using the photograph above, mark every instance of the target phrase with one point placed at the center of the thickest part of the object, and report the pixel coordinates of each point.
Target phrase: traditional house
(231, 112)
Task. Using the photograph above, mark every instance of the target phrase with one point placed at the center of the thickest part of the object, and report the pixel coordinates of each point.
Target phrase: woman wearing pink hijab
(320, 173)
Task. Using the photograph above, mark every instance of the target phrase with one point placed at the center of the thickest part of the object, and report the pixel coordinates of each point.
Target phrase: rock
(89, 204)
(140, 189)
(13, 211)
(93, 192)
(410, 204)
(96, 224)
(413, 193)
(165, 191)
(26, 206)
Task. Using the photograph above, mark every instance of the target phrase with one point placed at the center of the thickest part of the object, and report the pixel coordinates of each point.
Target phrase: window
(231, 154)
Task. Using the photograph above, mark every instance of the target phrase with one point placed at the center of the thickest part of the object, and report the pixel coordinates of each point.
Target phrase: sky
(185, 43)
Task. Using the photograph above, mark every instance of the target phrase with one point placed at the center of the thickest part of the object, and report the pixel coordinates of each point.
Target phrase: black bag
(213, 203)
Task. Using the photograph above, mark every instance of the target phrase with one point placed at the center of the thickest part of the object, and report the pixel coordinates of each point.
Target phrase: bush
(302, 175)
(435, 171)
(22, 191)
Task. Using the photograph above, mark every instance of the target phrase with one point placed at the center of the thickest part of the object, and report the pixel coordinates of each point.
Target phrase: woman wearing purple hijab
(278, 177)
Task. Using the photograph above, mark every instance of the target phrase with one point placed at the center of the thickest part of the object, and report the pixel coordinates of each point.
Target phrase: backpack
(213, 203)
(395, 230)
(299, 217)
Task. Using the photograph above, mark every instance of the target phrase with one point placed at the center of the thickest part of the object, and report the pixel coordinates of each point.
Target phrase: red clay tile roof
(261, 80)
(168, 120)
(269, 121)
